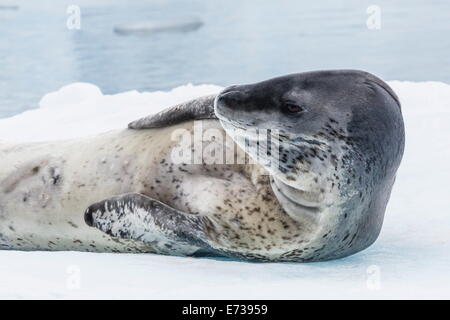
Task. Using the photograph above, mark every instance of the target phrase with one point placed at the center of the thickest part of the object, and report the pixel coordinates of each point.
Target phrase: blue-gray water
(239, 41)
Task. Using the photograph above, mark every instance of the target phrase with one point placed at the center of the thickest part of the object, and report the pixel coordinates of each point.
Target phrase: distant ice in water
(9, 7)
(151, 27)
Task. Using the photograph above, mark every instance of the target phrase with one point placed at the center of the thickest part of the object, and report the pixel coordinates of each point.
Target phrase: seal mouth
(228, 103)
(231, 123)
(299, 140)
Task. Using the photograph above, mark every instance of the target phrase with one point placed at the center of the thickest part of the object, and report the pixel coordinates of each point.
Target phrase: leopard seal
(338, 137)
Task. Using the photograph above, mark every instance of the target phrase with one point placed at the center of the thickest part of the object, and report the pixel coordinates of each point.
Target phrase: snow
(409, 260)
(80, 109)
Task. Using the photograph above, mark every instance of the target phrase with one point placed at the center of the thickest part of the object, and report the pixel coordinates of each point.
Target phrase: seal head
(332, 142)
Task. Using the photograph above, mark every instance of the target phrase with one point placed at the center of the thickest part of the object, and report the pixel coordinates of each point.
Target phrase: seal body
(296, 168)
(46, 188)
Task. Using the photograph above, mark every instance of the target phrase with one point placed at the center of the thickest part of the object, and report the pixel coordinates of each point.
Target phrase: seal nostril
(232, 96)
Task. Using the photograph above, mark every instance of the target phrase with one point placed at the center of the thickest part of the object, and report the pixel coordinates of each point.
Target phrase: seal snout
(230, 100)
(231, 97)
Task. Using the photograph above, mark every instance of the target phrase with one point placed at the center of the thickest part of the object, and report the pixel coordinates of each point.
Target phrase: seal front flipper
(197, 109)
(137, 217)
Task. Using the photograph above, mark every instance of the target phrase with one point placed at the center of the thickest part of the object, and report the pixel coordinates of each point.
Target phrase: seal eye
(292, 108)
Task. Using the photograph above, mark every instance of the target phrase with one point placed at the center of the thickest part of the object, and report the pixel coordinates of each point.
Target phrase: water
(239, 41)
